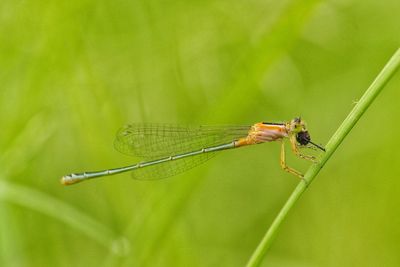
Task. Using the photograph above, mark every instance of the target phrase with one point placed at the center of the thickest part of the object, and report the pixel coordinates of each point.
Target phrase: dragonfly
(168, 150)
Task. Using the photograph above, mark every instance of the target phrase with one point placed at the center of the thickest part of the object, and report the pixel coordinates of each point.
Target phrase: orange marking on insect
(260, 133)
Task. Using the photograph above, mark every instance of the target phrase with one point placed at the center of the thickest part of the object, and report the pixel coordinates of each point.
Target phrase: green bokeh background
(73, 72)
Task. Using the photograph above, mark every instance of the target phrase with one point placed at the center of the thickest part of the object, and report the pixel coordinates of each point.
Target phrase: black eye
(303, 138)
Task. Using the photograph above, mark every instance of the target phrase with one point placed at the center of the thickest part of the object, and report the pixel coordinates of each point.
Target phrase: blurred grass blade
(26, 144)
(36, 200)
(375, 88)
(272, 45)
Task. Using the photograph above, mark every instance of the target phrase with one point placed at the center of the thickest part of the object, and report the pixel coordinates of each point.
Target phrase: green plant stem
(358, 110)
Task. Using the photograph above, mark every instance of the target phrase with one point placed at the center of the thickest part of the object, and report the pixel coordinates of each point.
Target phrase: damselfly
(169, 150)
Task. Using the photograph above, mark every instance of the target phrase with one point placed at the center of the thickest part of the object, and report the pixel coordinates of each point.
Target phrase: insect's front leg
(309, 147)
(297, 152)
(283, 162)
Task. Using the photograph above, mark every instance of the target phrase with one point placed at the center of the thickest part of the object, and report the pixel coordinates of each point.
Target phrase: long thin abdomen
(155, 169)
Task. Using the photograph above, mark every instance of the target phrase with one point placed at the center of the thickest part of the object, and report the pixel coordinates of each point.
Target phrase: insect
(169, 149)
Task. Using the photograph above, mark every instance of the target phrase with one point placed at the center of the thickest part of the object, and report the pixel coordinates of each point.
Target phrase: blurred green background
(73, 72)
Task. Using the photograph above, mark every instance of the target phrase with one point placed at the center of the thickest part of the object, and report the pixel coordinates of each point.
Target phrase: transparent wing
(152, 141)
(171, 168)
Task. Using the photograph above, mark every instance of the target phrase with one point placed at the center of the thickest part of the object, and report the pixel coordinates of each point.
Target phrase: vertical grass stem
(368, 97)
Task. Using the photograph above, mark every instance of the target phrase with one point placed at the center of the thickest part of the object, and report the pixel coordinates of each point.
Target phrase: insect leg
(283, 162)
(297, 152)
(309, 147)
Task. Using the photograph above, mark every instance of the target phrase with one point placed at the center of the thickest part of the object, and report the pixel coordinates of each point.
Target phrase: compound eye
(303, 138)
